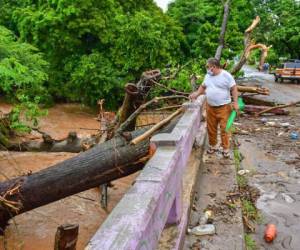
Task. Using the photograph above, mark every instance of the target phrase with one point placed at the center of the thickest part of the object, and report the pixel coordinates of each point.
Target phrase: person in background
(218, 85)
(266, 66)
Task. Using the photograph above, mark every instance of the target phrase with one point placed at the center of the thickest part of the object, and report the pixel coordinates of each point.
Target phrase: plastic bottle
(207, 229)
(270, 233)
(294, 135)
(206, 218)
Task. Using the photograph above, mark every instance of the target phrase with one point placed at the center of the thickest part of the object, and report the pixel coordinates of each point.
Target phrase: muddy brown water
(35, 230)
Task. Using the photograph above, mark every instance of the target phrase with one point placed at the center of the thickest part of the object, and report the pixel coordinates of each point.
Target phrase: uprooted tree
(250, 45)
(117, 155)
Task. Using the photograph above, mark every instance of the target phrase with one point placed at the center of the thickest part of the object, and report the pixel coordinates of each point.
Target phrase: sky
(162, 3)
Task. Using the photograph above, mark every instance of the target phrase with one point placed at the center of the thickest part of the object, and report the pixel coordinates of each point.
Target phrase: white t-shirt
(217, 88)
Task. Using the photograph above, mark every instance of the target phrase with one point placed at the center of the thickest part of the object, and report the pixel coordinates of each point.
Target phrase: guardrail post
(176, 210)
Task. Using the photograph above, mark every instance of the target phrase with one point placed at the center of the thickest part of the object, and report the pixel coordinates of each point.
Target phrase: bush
(23, 72)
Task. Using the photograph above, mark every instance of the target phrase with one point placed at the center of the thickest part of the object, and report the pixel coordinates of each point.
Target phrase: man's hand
(236, 107)
(194, 95)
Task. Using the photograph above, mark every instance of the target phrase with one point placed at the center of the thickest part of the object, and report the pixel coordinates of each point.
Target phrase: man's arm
(200, 91)
(235, 95)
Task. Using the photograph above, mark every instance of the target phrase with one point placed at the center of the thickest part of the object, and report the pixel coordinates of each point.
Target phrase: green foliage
(182, 80)
(96, 44)
(92, 48)
(242, 181)
(22, 77)
(94, 78)
(250, 243)
(201, 21)
(25, 115)
(249, 210)
(146, 41)
(280, 27)
(22, 68)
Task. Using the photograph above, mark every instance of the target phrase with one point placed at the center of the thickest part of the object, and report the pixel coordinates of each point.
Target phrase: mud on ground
(273, 159)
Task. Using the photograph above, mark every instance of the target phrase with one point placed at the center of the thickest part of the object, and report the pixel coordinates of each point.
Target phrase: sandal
(226, 154)
(211, 150)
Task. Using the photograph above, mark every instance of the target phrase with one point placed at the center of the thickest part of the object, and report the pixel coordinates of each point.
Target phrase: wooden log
(252, 109)
(174, 91)
(103, 163)
(268, 110)
(124, 126)
(66, 237)
(168, 107)
(252, 100)
(151, 131)
(128, 106)
(72, 143)
(135, 95)
(253, 89)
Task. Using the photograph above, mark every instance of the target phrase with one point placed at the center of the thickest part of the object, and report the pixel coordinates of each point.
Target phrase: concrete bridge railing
(155, 198)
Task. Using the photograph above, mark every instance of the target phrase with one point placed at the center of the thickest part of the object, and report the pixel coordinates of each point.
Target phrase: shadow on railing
(155, 198)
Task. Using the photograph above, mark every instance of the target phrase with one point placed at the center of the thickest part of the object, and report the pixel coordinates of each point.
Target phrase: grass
(248, 207)
(237, 158)
(249, 210)
(242, 181)
(250, 243)
(260, 219)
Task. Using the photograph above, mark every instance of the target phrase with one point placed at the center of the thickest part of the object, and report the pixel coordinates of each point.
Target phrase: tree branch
(156, 127)
(134, 115)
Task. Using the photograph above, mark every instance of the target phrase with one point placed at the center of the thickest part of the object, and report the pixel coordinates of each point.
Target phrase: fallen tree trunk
(124, 126)
(253, 89)
(101, 164)
(252, 100)
(72, 144)
(135, 95)
(156, 127)
(268, 109)
(252, 109)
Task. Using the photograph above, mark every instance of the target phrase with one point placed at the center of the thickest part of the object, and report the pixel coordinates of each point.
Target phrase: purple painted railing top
(139, 218)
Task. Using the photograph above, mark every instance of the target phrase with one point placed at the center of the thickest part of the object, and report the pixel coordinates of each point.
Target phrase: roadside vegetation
(248, 196)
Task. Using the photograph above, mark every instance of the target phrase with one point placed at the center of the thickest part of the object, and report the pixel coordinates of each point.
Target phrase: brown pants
(216, 116)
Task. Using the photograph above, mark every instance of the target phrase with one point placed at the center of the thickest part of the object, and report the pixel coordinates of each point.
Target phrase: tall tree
(202, 20)
(223, 30)
(92, 45)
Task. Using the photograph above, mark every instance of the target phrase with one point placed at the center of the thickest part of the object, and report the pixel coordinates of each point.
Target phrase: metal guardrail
(155, 199)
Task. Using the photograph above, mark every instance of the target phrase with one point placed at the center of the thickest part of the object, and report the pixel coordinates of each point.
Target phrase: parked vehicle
(289, 70)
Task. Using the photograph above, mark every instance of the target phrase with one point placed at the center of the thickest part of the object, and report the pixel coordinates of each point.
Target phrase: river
(35, 230)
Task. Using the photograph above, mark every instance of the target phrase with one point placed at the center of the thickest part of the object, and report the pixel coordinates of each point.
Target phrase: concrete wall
(155, 198)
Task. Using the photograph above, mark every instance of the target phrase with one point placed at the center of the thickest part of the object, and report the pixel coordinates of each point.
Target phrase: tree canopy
(23, 72)
(91, 48)
(94, 47)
